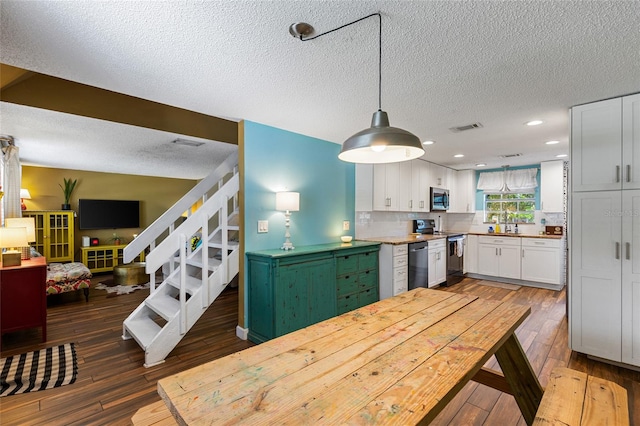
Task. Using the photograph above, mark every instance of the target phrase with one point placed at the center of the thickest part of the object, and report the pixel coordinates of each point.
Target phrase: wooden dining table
(397, 361)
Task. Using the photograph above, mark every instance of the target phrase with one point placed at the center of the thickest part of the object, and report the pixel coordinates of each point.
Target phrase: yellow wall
(156, 195)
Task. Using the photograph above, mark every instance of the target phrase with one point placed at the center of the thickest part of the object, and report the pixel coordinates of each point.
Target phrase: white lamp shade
(23, 222)
(24, 194)
(288, 201)
(13, 237)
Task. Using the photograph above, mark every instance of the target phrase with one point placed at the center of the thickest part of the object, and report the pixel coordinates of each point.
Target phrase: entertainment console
(105, 258)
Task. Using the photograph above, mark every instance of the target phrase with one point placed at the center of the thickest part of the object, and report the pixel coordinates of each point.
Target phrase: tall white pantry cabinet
(604, 291)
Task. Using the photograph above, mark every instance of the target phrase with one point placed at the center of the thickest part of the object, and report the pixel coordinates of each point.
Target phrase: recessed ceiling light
(428, 142)
(480, 165)
(459, 155)
(552, 142)
(534, 122)
(561, 155)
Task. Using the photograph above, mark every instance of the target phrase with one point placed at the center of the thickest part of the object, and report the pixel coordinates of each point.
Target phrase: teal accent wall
(480, 193)
(276, 160)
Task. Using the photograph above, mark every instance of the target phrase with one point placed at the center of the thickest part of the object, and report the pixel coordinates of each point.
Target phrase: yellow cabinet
(54, 234)
(104, 258)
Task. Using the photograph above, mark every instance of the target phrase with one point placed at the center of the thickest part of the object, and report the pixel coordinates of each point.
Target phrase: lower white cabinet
(394, 269)
(499, 257)
(604, 299)
(542, 260)
(437, 262)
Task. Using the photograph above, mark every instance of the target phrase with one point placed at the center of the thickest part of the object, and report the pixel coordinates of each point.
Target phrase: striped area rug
(38, 370)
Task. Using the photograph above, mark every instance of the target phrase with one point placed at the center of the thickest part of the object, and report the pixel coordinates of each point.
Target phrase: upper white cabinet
(438, 176)
(386, 186)
(419, 200)
(552, 186)
(463, 192)
(605, 145)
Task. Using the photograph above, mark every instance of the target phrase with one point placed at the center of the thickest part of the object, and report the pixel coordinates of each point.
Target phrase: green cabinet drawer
(368, 261)
(368, 296)
(347, 284)
(368, 279)
(346, 264)
(348, 303)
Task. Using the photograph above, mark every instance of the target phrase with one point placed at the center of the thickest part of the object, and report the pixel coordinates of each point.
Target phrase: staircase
(198, 259)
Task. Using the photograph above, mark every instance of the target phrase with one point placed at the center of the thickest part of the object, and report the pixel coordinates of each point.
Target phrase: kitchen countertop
(413, 238)
(502, 234)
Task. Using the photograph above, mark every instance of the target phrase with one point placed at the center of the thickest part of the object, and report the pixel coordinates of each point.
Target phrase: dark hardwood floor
(112, 382)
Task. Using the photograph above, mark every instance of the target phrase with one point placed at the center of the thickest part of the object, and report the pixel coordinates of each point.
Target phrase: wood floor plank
(112, 383)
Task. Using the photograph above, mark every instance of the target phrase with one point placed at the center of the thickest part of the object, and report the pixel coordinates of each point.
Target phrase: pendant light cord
(379, 48)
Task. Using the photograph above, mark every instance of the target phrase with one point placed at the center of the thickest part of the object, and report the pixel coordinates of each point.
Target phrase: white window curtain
(11, 177)
(519, 180)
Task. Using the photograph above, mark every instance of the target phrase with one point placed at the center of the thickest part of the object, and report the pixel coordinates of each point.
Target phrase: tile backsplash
(392, 224)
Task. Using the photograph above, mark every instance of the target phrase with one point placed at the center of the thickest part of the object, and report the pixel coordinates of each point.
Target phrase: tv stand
(104, 258)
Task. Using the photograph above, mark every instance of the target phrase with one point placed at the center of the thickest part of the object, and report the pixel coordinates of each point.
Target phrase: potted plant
(67, 189)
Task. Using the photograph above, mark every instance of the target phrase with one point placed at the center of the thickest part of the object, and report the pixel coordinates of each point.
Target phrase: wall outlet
(263, 226)
(345, 225)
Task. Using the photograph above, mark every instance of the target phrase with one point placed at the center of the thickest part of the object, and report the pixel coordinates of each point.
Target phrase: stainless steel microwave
(439, 199)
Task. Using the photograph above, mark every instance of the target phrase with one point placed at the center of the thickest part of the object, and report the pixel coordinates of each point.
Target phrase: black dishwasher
(418, 265)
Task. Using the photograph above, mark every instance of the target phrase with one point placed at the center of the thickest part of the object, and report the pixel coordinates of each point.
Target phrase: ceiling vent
(187, 142)
(466, 127)
(510, 155)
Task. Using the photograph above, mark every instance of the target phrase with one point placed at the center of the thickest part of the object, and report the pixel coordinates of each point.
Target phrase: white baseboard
(242, 333)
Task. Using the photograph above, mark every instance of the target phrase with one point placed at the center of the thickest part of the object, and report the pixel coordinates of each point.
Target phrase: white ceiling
(445, 64)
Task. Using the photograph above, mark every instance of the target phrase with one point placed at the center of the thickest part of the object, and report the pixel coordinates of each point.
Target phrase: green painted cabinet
(289, 290)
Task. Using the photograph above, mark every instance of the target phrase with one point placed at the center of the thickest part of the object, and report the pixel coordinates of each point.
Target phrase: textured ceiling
(445, 64)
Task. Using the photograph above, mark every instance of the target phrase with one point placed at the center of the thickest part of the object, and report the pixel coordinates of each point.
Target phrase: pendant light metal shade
(381, 143)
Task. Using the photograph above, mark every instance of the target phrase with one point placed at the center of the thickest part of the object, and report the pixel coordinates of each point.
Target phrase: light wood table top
(397, 361)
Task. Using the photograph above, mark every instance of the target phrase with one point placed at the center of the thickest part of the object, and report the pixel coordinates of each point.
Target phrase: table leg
(520, 376)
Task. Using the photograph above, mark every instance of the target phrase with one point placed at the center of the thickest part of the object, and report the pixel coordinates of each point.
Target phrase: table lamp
(287, 202)
(11, 239)
(24, 195)
(24, 222)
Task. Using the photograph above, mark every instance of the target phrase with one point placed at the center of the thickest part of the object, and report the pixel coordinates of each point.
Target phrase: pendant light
(379, 143)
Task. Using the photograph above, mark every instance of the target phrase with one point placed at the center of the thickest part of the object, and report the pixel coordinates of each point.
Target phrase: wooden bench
(156, 414)
(574, 398)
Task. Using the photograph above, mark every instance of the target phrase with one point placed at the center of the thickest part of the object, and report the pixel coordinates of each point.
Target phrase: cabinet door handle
(523, 253)
(422, 204)
(617, 173)
(628, 250)
(617, 250)
(410, 204)
(628, 172)
(500, 251)
(496, 251)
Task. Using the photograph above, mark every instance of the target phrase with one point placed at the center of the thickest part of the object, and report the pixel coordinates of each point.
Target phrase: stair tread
(192, 284)
(164, 305)
(143, 330)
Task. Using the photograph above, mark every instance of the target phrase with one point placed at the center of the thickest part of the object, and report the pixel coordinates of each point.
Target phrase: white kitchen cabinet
(604, 299)
(419, 200)
(605, 144)
(394, 269)
(499, 257)
(386, 186)
(463, 192)
(542, 260)
(552, 186)
(437, 273)
(364, 187)
(471, 254)
(596, 274)
(438, 176)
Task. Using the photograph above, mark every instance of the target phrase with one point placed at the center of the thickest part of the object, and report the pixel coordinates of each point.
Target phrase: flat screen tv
(108, 214)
